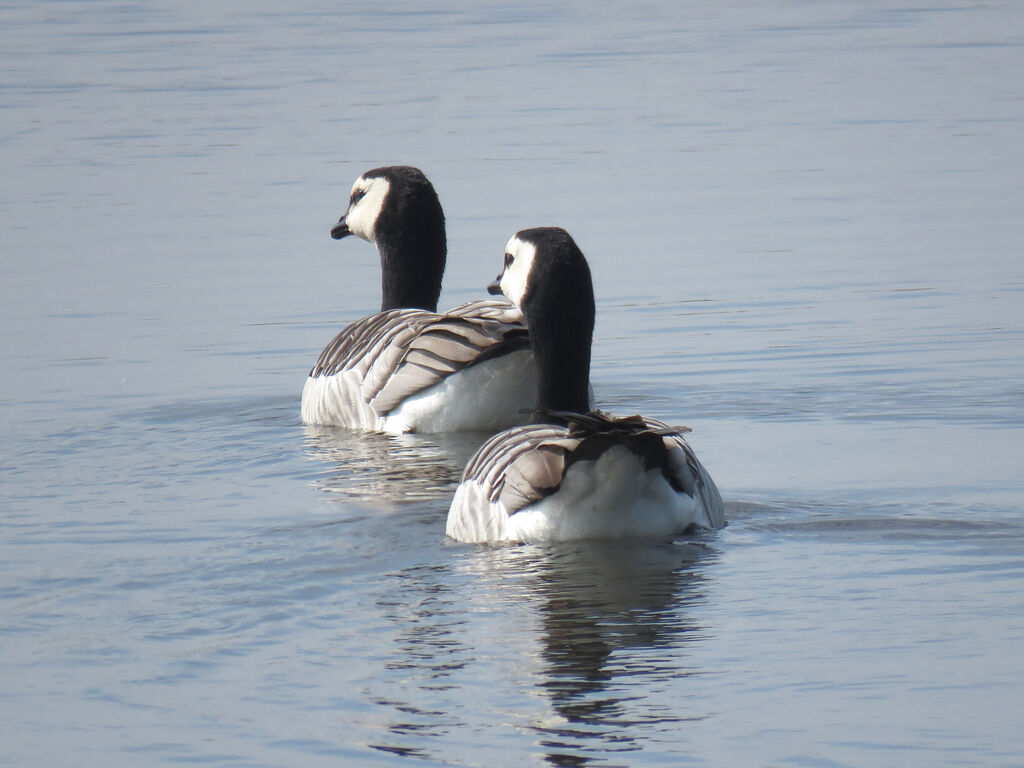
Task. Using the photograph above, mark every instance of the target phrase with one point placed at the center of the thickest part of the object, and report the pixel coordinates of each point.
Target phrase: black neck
(561, 336)
(411, 273)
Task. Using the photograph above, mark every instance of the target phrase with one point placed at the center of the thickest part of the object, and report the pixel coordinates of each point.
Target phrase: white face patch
(361, 216)
(517, 271)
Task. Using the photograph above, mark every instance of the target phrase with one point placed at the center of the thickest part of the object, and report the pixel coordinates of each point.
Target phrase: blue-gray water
(804, 223)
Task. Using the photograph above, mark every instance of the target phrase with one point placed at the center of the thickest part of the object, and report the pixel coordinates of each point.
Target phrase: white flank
(609, 498)
(337, 400)
(473, 519)
(612, 497)
(488, 396)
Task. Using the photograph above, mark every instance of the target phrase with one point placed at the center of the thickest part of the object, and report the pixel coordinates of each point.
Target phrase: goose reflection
(389, 468)
(613, 619)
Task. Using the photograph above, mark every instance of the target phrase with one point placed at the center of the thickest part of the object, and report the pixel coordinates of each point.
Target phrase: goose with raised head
(574, 473)
(409, 368)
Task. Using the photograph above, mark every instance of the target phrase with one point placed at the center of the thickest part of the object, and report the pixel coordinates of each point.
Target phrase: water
(804, 226)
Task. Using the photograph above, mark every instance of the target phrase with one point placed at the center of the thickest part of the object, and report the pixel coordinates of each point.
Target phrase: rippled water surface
(803, 221)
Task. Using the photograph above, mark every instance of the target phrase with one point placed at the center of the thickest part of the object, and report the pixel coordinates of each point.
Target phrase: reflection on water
(389, 468)
(599, 632)
(612, 622)
(613, 618)
(427, 653)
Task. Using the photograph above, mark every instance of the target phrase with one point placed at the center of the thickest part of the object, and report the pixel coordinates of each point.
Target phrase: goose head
(546, 276)
(543, 265)
(397, 209)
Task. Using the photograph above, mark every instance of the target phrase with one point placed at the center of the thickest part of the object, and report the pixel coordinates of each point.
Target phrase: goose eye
(509, 258)
(356, 196)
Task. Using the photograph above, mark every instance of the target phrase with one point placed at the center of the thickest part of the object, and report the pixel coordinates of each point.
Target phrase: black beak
(340, 229)
(495, 288)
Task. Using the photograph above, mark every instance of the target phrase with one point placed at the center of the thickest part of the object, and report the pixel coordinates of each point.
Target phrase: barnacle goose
(408, 368)
(574, 473)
